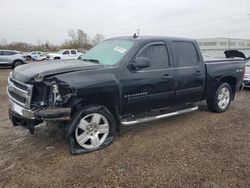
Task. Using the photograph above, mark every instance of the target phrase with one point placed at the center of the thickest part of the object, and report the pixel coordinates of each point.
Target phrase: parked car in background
(246, 81)
(26, 55)
(38, 56)
(64, 54)
(11, 58)
(35, 56)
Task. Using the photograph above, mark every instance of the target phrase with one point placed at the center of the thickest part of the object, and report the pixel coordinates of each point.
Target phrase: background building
(215, 47)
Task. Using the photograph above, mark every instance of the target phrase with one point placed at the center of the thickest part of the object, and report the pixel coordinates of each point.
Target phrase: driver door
(66, 54)
(152, 87)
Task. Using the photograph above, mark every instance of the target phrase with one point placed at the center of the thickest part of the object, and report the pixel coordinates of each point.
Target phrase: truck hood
(37, 71)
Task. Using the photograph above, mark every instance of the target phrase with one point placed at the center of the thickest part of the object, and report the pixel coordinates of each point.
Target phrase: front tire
(221, 100)
(91, 128)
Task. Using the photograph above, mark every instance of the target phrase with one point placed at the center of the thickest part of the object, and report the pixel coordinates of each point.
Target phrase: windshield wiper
(92, 60)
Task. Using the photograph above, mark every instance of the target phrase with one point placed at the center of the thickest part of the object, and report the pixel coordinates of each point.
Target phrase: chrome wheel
(224, 98)
(92, 131)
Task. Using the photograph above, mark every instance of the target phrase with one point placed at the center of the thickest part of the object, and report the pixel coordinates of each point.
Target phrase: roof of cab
(149, 38)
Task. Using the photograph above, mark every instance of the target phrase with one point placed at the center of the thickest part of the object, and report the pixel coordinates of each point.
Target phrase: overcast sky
(33, 20)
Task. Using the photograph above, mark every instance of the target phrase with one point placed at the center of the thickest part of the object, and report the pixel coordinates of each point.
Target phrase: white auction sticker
(120, 49)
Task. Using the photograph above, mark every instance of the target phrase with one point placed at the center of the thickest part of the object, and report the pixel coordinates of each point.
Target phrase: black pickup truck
(121, 81)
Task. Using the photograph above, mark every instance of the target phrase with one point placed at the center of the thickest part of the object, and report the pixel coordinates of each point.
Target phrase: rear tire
(221, 99)
(90, 129)
(16, 63)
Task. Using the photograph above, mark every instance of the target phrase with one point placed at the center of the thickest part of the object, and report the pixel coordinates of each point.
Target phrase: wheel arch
(104, 99)
(18, 60)
(232, 82)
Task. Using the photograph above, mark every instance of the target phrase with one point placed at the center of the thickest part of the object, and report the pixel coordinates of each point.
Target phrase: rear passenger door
(189, 71)
(73, 53)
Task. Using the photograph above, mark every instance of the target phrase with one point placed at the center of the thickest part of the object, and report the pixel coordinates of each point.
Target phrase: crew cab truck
(121, 81)
(63, 54)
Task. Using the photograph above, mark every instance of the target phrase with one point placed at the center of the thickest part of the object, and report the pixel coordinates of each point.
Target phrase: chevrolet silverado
(121, 81)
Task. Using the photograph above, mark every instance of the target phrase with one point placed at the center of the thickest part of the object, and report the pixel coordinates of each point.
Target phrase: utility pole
(138, 32)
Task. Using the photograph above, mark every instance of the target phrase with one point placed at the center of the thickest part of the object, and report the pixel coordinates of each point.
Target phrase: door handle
(197, 73)
(166, 77)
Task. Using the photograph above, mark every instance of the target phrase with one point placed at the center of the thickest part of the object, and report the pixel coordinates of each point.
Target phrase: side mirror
(140, 63)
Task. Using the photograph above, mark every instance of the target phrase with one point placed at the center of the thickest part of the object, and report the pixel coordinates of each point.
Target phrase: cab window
(66, 52)
(186, 54)
(158, 56)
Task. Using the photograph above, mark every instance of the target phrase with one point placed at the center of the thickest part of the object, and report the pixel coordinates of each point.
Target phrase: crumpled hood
(25, 73)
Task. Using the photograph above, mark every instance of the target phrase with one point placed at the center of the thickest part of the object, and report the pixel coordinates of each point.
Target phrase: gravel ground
(199, 149)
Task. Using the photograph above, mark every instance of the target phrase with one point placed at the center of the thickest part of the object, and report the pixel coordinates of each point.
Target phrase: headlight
(56, 95)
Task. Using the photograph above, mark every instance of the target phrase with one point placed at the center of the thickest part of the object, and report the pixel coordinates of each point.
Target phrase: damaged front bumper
(28, 118)
(21, 111)
(54, 113)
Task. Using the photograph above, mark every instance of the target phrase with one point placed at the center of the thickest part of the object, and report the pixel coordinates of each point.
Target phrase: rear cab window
(73, 52)
(186, 54)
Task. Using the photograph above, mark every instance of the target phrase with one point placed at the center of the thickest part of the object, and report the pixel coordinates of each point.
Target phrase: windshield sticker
(120, 49)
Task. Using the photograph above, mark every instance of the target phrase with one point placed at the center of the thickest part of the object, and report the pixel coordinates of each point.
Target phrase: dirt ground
(200, 149)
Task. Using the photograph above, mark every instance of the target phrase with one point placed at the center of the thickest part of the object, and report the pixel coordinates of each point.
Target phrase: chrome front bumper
(246, 83)
(55, 113)
(26, 113)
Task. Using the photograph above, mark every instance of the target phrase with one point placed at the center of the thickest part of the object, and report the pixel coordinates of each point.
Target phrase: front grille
(17, 97)
(21, 86)
(19, 92)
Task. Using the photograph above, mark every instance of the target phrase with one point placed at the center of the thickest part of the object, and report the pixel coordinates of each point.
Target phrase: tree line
(77, 39)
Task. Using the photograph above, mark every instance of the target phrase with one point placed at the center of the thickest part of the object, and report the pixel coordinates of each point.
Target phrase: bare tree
(78, 39)
(97, 39)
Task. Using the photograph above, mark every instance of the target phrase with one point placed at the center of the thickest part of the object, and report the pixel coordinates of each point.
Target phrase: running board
(142, 120)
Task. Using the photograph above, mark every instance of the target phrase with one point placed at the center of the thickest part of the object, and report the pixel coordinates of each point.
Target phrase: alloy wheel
(224, 98)
(92, 131)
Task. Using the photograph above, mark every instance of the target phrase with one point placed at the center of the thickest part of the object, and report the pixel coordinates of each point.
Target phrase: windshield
(108, 52)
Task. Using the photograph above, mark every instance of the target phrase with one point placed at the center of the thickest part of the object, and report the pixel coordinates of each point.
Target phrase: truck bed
(229, 68)
(218, 59)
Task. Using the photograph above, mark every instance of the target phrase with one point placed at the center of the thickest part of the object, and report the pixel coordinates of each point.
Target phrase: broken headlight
(60, 93)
